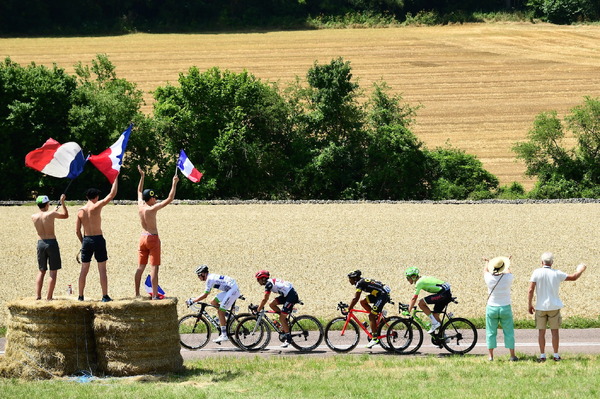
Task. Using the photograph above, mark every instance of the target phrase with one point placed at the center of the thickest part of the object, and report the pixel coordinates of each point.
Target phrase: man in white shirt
(224, 300)
(545, 282)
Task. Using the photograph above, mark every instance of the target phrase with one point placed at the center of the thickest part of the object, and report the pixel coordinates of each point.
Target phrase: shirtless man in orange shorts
(149, 249)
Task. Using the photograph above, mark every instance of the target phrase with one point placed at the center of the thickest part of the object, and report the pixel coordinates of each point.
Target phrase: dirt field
(315, 246)
(481, 85)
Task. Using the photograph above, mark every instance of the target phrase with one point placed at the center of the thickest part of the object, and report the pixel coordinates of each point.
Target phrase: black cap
(147, 194)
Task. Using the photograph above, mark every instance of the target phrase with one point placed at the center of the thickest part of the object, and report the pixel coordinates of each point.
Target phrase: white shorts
(226, 299)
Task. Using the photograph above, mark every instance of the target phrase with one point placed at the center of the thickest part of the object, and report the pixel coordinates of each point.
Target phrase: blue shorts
(93, 245)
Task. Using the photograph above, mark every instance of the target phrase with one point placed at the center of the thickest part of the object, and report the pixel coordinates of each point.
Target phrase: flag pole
(64, 192)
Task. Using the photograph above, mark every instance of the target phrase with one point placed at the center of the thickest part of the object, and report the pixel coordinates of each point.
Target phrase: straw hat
(498, 265)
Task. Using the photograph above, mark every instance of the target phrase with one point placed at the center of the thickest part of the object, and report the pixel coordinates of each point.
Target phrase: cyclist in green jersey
(439, 298)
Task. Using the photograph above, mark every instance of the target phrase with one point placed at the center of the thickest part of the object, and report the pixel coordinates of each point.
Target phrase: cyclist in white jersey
(287, 297)
(224, 299)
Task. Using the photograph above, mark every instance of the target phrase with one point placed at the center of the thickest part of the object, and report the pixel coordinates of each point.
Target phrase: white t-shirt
(501, 294)
(219, 282)
(278, 286)
(547, 282)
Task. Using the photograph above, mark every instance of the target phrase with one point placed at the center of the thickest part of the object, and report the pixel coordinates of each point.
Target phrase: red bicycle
(342, 334)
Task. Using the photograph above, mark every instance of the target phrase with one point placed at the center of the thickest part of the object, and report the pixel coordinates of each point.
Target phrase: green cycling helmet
(411, 271)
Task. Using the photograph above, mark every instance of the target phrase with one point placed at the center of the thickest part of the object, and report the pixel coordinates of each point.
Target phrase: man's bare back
(43, 221)
(90, 218)
(44, 225)
(148, 218)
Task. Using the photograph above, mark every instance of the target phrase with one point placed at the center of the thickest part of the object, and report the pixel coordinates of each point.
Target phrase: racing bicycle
(458, 335)
(342, 334)
(253, 333)
(195, 329)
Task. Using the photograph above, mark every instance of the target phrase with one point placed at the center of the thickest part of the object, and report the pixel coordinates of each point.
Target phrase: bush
(458, 175)
(564, 11)
(514, 191)
(426, 18)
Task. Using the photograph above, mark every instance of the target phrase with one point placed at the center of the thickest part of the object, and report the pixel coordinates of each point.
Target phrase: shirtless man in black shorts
(48, 253)
(92, 241)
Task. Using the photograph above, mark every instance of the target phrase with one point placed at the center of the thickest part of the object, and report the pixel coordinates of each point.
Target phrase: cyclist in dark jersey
(378, 294)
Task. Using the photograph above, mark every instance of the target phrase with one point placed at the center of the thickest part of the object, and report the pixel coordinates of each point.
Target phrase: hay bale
(48, 338)
(137, 337)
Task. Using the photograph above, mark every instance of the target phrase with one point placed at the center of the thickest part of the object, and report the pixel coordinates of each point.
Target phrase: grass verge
(344, 376)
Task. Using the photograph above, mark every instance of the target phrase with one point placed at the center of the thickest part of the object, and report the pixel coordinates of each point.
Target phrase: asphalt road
(585, 341)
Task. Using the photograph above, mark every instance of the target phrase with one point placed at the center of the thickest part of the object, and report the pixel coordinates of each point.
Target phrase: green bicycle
(458, 335)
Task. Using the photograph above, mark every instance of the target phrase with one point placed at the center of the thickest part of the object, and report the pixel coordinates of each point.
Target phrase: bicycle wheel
(307, 333)
(194, 331)
(340, 340)
(252, 337)
(458, 335)
(405, 336)
(232, 324)
(382, 332)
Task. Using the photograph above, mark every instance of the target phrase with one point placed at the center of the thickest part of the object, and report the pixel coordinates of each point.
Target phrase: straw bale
(49, 338)
(137, 337)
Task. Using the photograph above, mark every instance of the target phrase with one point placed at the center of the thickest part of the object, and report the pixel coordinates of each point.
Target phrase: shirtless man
(149, 249)
(92, 242)
(48, 253)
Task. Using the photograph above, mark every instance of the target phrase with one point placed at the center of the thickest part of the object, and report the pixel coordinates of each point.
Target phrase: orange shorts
(149, 250)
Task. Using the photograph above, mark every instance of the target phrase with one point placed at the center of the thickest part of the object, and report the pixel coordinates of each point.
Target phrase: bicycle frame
(426, 323)
(264, 315)
(351, 315)
(200, 308)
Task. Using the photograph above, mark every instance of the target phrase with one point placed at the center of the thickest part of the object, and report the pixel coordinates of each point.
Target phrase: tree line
(93, 17)
(312, 139)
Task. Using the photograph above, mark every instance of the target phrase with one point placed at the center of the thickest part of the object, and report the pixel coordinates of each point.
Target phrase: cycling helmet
(262, 273)
(201, 269)
(411, 271)
(355, 274)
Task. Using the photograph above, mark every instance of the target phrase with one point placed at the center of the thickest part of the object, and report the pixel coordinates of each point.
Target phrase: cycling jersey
(431, 284)
(278, 286)
(372, 287)
(219, 282)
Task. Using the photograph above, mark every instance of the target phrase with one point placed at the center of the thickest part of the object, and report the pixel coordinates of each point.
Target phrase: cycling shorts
(377, 302)
(439, 300)
(288, 301)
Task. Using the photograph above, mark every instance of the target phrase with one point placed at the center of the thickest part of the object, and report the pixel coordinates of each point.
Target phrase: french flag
(110, 160)
(187, 168)
(148, 287)
(57, 160)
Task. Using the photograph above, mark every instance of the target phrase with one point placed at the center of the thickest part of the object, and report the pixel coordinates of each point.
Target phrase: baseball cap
(147, 194)
(42, 199)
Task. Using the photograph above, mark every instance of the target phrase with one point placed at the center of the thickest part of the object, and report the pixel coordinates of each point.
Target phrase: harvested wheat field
(315, 245)
(481, 85)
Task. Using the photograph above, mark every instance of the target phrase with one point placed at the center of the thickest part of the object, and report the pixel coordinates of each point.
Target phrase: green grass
(346, 376)
(571, 322)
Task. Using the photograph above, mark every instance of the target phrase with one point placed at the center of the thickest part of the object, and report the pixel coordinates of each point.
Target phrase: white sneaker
(221, 338)
(284, 344)
(434, 326)
(372, 343)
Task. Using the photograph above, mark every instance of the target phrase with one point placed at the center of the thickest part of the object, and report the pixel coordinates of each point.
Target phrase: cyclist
(224, 299)
(288, 297)
(439, 298)
(378, 294)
